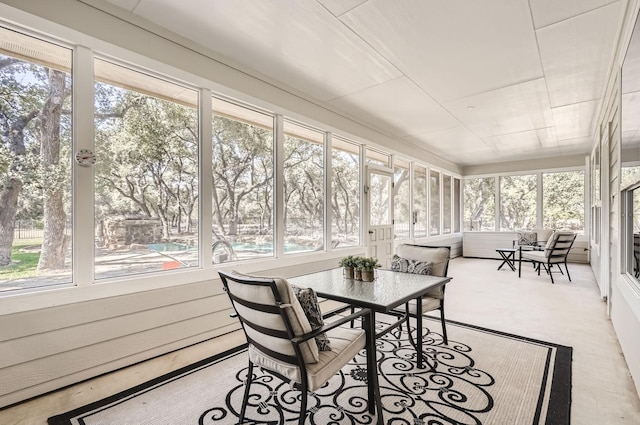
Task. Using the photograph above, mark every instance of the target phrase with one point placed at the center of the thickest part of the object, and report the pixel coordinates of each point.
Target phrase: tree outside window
(563, 201)
(146, 174)
(35, 162)
(303, 188)
(242, 196)
(480, 204)
(345, 193)
(518, 202)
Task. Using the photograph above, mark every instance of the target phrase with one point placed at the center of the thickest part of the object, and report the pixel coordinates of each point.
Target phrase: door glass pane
(345, 191)
(146, 174)
(35, 162)
(379, 199)
(303, 188)
(401, 198)
(242, 197)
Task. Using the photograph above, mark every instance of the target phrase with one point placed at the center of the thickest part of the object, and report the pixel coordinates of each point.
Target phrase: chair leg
(550, 274)
(444, 328)
(567, 269)
(245, 399)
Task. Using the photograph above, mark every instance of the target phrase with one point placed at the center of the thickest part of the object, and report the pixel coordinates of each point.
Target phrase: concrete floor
(572, 314)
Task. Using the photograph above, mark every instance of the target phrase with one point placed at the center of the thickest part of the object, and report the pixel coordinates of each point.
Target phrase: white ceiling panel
(546, 12)
(302, 44)
(576, 54)
(527, 144)
(452, 51)
(574, 121)
(453, 139)
(574, 146)
(413, 112)
(512, 109)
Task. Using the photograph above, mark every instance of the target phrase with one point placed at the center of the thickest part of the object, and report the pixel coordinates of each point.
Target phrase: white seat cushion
(428, 304)
(345, 344)
(541, 257)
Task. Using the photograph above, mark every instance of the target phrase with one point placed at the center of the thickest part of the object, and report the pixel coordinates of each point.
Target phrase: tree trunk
(55, 241)
(10, 191)
(8, 207)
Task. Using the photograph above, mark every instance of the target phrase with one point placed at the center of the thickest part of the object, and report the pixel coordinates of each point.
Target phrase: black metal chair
(438, 256)
(555, 253)
(281, 340)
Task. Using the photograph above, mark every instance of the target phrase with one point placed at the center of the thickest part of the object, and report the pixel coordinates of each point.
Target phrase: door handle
(371, 232)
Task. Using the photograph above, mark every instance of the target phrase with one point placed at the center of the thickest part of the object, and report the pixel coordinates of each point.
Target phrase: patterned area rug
(480, 377)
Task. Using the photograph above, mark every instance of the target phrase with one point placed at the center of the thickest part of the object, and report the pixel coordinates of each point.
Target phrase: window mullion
(205, 124)
(83, 177)
(279, 187)
(328, 175)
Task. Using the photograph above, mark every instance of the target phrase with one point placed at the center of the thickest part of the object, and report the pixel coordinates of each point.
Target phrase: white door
(379, 201)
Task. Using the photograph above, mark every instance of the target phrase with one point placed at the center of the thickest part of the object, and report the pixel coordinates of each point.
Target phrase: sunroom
(138, 161)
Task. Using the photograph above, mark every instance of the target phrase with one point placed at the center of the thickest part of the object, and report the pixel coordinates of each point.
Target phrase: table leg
(507, 259)
(419, 331)
(368, 324)
(519, 261)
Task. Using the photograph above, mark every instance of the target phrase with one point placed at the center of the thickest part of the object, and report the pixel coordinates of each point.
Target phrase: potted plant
(349, 263)
(367, 266)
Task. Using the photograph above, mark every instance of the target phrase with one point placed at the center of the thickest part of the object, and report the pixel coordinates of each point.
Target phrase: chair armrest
(334, 324)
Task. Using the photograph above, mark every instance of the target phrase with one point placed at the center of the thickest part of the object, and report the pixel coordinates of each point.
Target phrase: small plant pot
(368, 275)
(357, 274)
(348, 272)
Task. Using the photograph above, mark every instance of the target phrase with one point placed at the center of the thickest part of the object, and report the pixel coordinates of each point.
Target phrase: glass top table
(389, 290)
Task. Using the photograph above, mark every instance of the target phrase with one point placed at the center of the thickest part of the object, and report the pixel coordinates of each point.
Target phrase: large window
(401, 199)
(563, 201)
(456, 205)
(35, 162)
(303, 188)
(420, 202)
(345, 193)
(434, 203)
(242, 196)
(480, 204)
(146, 174)
(518, 202)
(446, 204)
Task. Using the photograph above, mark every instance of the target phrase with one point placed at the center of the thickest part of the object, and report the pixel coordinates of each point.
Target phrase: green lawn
(23, 264)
